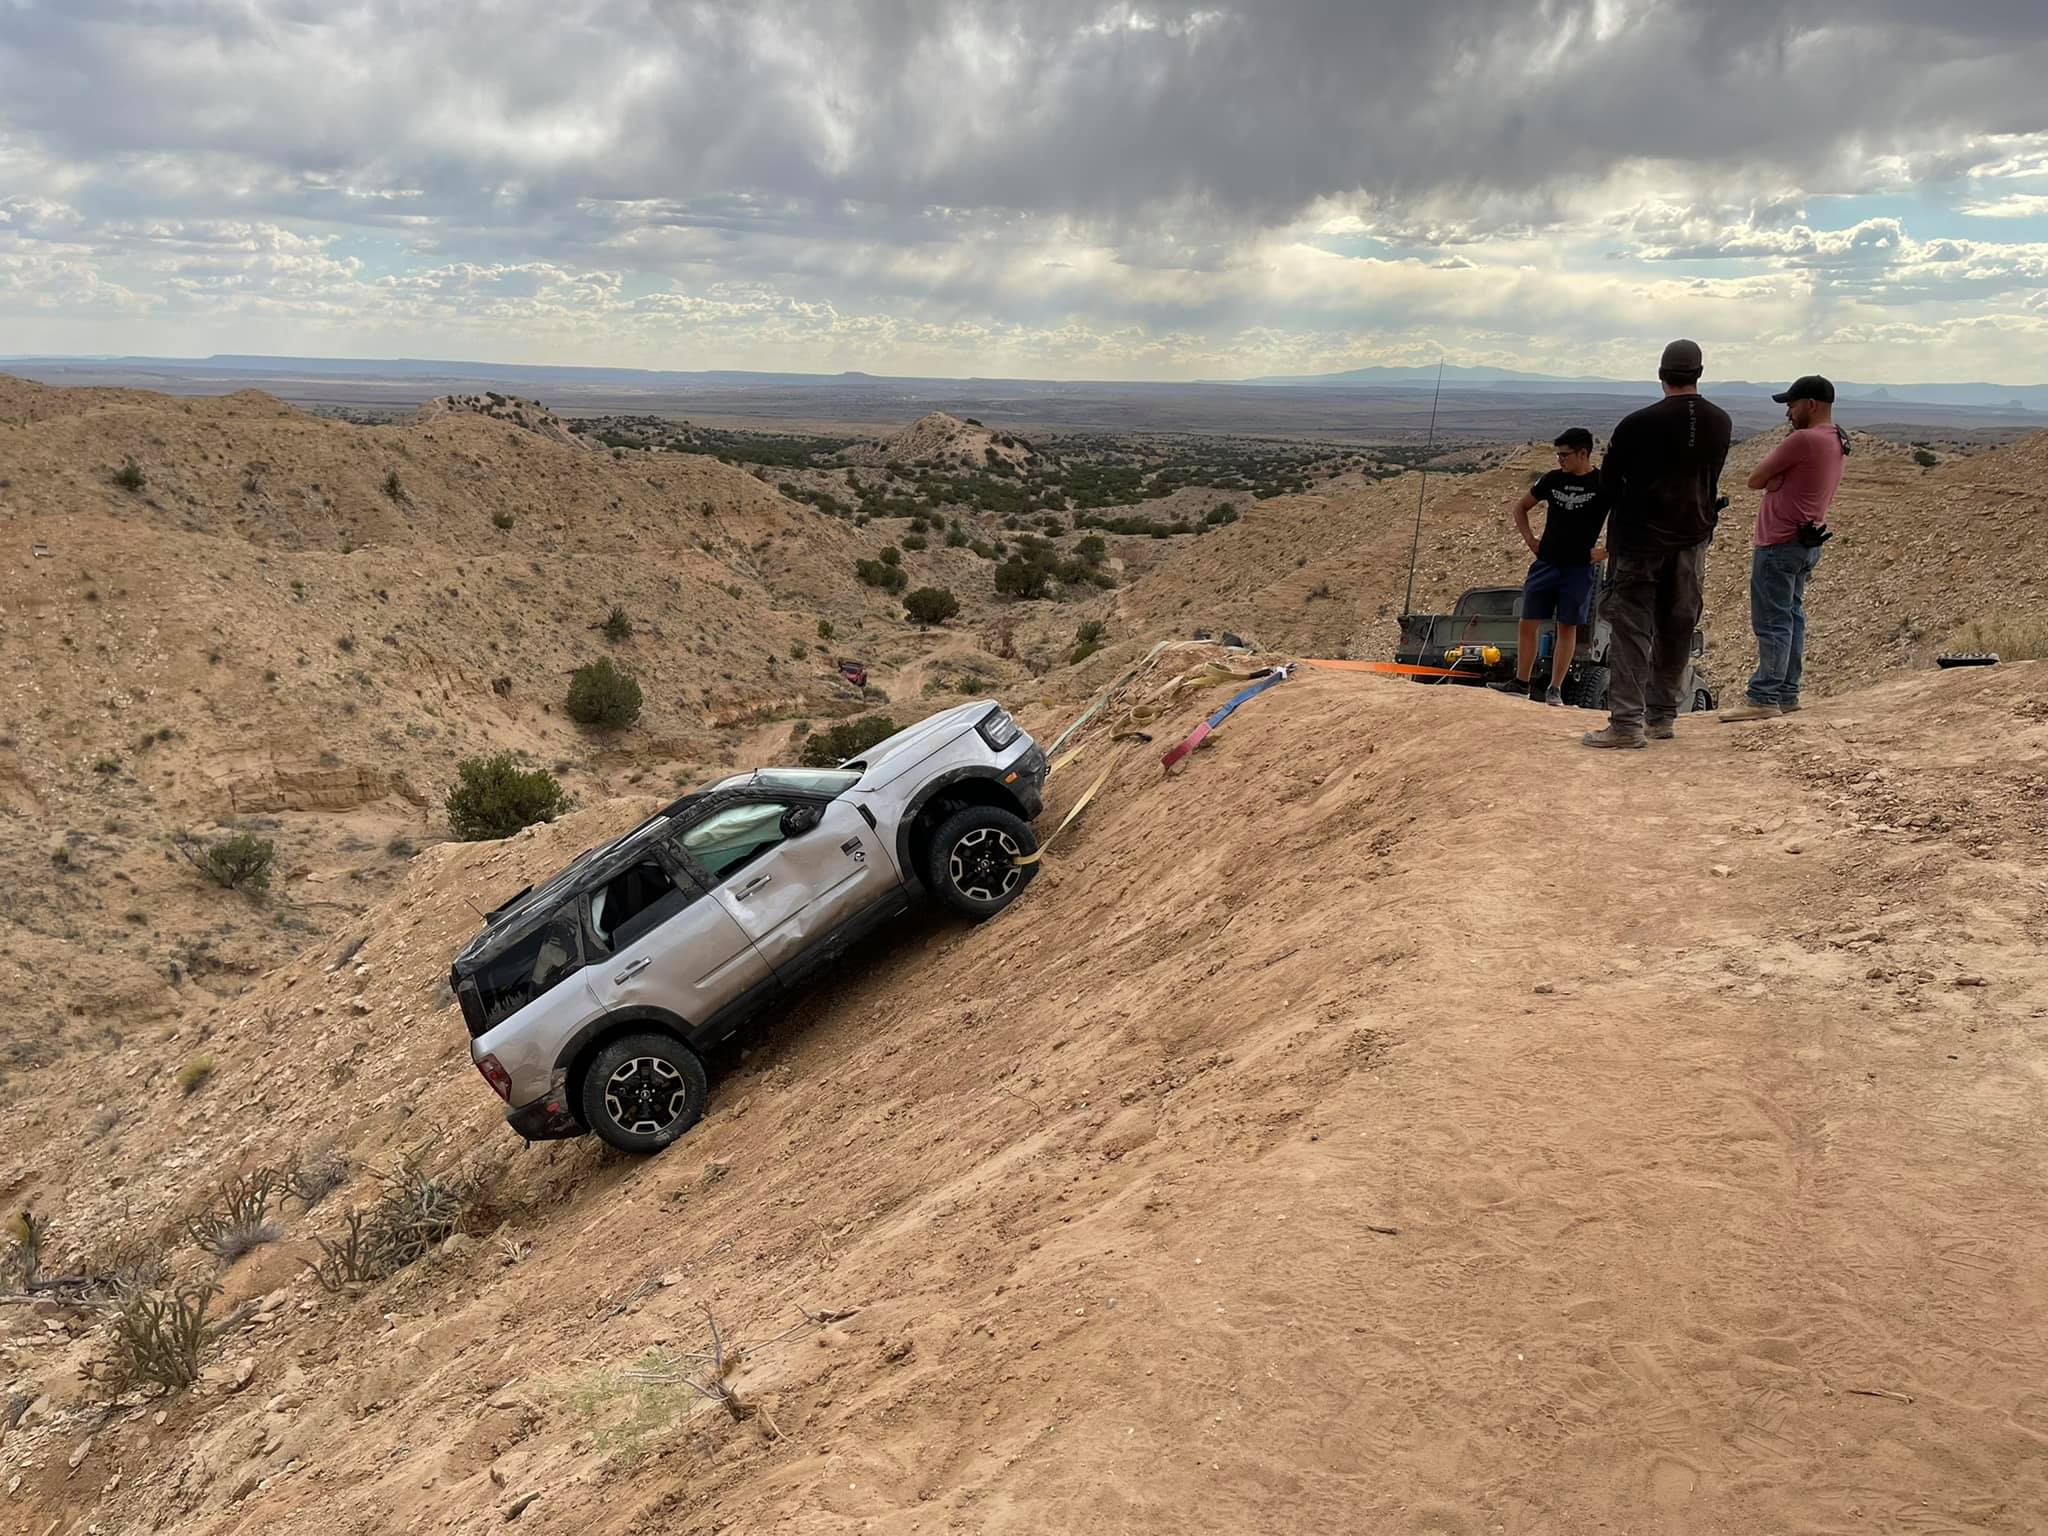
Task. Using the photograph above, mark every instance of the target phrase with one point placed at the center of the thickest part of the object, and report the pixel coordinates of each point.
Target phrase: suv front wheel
(643, 1091)
(973, 866)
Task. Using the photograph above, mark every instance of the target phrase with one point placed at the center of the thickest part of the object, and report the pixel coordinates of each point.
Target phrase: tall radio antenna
(1415, 548)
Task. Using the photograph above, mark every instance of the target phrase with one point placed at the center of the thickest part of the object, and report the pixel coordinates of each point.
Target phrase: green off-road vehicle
(1479, 642)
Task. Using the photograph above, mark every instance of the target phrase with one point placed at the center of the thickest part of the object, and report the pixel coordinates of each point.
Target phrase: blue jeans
(1777, 612)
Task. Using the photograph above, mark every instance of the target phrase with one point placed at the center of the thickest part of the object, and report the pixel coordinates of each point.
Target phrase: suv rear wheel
(643, 1091)
(972, 865)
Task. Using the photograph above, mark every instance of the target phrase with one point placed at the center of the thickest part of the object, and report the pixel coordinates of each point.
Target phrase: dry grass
(2009, 636)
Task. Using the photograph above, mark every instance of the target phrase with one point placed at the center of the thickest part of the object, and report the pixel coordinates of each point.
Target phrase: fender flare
(931, 792)
(612, 1022)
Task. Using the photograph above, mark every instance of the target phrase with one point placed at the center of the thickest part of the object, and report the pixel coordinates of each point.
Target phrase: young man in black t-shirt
(1568, 558)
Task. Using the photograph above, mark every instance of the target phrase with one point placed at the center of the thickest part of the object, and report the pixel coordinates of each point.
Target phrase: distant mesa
(942, 438)
(527, 415)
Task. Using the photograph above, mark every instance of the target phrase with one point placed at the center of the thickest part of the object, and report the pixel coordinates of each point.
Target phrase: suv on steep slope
(590, 996)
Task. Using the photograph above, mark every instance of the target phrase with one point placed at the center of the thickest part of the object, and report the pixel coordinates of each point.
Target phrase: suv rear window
(1497, 603)
(534, 964)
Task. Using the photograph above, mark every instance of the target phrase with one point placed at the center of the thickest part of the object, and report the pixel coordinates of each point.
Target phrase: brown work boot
(1611, 737)
(1747, 710)
(1660, 730)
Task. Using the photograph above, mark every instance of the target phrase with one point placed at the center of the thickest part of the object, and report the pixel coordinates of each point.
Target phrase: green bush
(1091, 549)
(1223, 514)
(849, 738)
(956, 538)
(1924, 458)
(930, 605)
(1015, 578)
(501, 519)
(824, 629)
(891, 555)
(392, 488)
(916, 541)
(617, 626)
(890, 578)
(234, 863)
(495, 796)
(194, 1074)
(601, 695)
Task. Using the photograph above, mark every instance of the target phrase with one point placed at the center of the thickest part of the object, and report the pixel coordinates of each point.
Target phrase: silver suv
(590, 996)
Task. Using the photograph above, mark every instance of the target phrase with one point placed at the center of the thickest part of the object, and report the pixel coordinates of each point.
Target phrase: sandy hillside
(529, 415)
(942, 439)
(1288, 1159)
(1918, 555)
(297, 628)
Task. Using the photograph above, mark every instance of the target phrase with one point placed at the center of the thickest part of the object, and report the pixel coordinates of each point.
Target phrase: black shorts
(1560, 592)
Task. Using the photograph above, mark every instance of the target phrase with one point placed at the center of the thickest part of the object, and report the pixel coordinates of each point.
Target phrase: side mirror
(798, 820)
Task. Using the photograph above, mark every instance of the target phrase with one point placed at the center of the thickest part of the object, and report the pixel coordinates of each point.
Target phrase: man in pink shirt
(1798, 478)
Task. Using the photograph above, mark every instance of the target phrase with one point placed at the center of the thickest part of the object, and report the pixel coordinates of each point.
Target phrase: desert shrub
(849, 738)
(130, 476)
(238, 1218)
(392, 488)
(617, 626)
(956, 538)
(2009, 636)
(502, 519)
(240, 862)
(930, 605)
(1924, 458)
(1091, 549)
(916, 541)
(891, 555)
(25, 1234)
(601, 695)
(1226, 513)
(1017, 578)
(194, 1074)
(890, 578)
(824, 629)
(349, 1260)
(155, 1341)
(494, 797)
(312, 1180)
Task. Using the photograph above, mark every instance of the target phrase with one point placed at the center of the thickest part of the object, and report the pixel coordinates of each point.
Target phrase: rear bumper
(547, 1118)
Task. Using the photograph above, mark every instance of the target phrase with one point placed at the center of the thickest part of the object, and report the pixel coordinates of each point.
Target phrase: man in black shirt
(1560, 584)
(1663, 478)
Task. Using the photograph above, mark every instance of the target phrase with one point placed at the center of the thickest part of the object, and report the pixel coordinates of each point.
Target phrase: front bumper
(547, 1118)
(1029, 773)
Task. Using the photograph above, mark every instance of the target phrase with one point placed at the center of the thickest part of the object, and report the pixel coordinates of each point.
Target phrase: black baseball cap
(1812, 387)
(1682, 357)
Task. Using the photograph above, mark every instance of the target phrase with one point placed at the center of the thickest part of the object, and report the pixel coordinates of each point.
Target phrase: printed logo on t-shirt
(1570, 498)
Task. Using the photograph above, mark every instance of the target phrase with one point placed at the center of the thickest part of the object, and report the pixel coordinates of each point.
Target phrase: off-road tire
(1590, 690)
(642, 1091)
(1702, 701)
(969, 868)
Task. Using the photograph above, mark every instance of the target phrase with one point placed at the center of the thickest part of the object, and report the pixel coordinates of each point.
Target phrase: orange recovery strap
(1393, 668)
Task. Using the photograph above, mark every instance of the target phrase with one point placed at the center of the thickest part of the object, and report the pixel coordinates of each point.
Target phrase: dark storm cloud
(1246, 111)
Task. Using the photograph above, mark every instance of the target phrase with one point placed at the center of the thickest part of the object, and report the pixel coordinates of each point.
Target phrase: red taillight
(499, 1079)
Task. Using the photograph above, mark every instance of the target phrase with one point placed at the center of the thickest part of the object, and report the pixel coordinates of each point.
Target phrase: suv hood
(889, 759)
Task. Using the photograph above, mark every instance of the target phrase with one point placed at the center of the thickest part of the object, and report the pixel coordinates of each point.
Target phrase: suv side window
(730, 839)
(531, 967)
(637, 900)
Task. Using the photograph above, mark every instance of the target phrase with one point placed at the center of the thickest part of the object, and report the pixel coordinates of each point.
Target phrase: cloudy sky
(1049, 188)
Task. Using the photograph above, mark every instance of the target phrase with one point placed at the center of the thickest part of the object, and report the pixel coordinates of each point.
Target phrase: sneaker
(1610, 737)
(1789, 709)
(1511, 685)
(1747, 710)
(1660, 730)
(1552, 696)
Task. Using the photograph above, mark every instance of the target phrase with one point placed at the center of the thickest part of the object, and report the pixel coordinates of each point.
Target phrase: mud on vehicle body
(1480, 640)
(590, 997)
